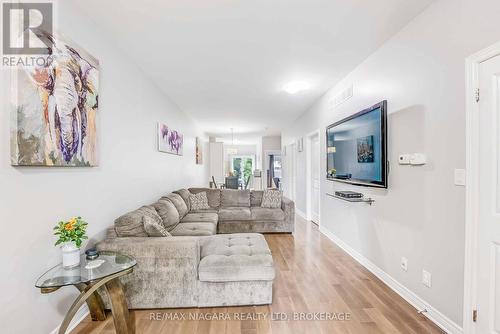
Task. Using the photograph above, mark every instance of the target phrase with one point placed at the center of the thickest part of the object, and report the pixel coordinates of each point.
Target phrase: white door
(315, 179)
(293, 171)
(488, 233)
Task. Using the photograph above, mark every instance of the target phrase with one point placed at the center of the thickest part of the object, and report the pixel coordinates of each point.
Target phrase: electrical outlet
(426, 278)
(404, 263)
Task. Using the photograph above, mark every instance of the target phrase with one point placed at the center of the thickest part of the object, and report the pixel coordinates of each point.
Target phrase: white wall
(131, 173)
(421, 72)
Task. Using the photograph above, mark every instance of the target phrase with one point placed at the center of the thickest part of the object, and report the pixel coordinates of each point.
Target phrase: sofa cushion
(204, 211)
(265, 214)
(184, 193)
(234, 213)
(154, 228)
(256, 197)
(271, 198)
(203, 217)
(199, 201)
(179, 203)
(213, 196)
(194, 229)
(168, 213)
(232, 198)
(235, 257)
(130, 224)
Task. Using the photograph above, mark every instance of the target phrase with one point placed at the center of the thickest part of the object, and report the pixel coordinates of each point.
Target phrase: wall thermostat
(414, 159)
(417, 159)
(404, 159)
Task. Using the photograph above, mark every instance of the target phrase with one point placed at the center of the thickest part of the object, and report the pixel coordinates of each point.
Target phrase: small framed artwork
(199, 153)
(300, 144)
(169, 140)
(365, 149)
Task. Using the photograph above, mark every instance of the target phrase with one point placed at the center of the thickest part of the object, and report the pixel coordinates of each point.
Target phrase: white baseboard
(432, 314)
(79, 316)
(300, 213)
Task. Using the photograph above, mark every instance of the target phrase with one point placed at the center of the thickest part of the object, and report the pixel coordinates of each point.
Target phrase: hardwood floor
(313, 275)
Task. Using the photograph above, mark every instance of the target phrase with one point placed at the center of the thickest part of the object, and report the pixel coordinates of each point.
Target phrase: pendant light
(232, 150)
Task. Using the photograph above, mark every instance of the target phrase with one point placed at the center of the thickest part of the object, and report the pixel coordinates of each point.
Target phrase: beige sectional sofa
(240, 211)
(195, 266)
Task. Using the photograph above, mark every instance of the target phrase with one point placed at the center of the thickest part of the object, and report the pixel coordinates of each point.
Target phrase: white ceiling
(224, 62)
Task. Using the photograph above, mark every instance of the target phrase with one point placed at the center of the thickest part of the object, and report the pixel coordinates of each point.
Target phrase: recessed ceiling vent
(341, 97)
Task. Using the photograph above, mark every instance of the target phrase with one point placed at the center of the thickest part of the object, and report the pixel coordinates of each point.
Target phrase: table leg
(90, 290)
(94, 302)
(72, 311)
(119, 308)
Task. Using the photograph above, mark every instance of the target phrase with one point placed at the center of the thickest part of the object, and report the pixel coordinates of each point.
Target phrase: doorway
(482, 262)
(313, 177)
(272, 167)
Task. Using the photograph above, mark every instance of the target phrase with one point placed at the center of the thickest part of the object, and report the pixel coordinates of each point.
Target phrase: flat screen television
(357, 148)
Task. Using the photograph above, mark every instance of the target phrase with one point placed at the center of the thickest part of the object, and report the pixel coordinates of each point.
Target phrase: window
(242, 167)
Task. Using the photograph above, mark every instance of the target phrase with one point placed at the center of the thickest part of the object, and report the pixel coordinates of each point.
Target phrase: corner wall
(131, 173)
(421, 72)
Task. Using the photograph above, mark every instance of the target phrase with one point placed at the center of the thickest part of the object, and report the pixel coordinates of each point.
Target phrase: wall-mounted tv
(357, 148)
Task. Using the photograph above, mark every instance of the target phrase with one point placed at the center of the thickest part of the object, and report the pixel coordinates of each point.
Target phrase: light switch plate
(460, 177)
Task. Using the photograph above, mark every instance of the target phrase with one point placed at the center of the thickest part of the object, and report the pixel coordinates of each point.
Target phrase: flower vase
(70, 255)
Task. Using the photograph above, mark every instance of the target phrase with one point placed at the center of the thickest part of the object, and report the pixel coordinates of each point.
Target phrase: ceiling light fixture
(294, 87)
(232, 150)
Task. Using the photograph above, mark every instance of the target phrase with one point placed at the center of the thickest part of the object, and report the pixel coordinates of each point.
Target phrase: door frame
(308, 148)
(472, 182)
(289, 170)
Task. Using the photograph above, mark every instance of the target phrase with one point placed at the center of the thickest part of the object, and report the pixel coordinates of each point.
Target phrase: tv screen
(357, 148)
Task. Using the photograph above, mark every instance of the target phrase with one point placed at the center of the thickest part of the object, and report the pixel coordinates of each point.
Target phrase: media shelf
(353, 200)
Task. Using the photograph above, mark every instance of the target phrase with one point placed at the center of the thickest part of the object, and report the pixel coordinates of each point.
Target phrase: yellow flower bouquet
(71, 231)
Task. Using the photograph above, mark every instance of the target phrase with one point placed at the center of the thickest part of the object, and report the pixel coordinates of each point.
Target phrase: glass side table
(87, 280)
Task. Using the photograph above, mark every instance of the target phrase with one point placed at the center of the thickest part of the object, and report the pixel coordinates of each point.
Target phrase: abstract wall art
(54, 115)
(199, 153)
(169, 140)
(300, 144)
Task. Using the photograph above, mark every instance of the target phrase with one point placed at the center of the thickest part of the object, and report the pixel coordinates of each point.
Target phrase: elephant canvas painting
(54, 119)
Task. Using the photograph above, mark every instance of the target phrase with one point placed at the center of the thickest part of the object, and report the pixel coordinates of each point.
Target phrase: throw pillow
(199, 201)
(271, 199)
(153, 228)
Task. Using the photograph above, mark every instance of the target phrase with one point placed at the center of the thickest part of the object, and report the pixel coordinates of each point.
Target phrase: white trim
(432, 314)
(300, 213)
(81, 314)
(472, 184)
(308, 177)
(308, 148)
(291, 165)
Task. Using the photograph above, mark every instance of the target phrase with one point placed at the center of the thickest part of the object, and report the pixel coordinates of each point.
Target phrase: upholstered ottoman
(235, 269)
